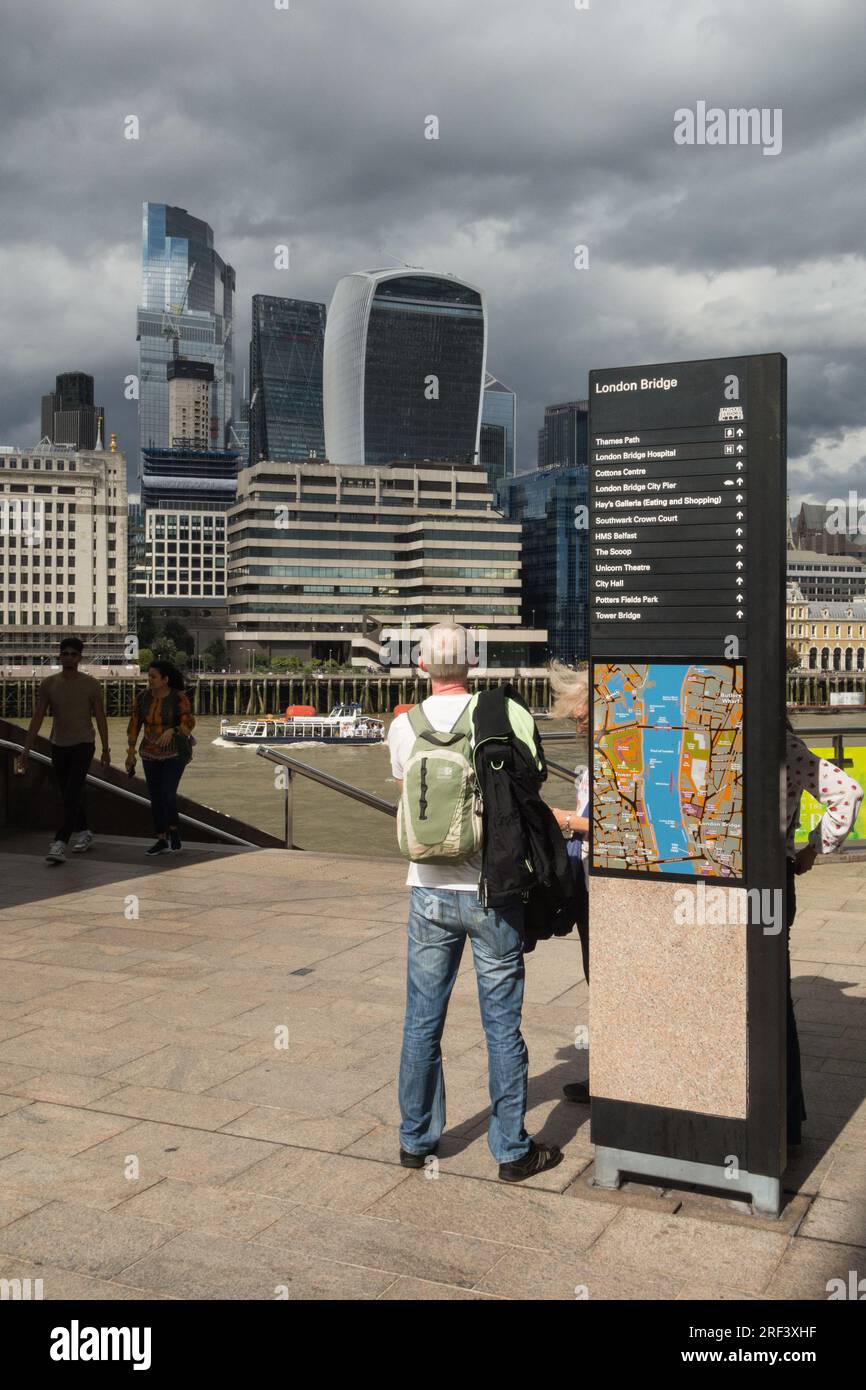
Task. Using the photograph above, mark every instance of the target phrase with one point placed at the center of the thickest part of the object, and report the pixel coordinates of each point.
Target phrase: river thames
(235, 780)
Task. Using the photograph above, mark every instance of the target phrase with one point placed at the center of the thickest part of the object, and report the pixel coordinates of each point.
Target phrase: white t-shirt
(443, 711)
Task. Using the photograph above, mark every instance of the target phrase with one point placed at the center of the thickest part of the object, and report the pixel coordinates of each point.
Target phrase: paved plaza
(197, 1101)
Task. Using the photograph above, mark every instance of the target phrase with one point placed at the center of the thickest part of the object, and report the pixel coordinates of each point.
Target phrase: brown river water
(235, 780)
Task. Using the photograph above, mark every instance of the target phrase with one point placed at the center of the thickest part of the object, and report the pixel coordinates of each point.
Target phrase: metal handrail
(326, 779)
(133, 796)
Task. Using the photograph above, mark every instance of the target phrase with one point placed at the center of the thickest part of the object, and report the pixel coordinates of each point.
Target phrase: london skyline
(692, 252)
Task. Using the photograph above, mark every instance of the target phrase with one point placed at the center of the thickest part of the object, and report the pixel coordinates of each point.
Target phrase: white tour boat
(345, 724)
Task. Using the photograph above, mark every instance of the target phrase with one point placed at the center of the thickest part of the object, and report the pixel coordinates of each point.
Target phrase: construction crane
(170, 328)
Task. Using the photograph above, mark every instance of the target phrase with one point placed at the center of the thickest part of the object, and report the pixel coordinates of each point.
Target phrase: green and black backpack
(439, 816)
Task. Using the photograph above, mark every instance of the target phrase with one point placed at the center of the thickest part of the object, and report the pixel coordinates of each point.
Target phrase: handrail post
(289, 808)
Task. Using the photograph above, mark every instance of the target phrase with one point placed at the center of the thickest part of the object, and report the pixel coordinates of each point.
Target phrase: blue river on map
(661, 749)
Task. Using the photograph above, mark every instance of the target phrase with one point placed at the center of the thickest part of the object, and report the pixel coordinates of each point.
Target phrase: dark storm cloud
(556, 128)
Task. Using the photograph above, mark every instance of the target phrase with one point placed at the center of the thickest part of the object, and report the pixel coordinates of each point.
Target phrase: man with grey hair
(444, 911)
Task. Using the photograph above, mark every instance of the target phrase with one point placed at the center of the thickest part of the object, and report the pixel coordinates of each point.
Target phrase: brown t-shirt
(71, 700)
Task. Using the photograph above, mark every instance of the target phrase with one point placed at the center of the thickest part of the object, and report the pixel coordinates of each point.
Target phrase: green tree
(164, 649)
(145, 657)
(792, 657)
(145, 627)
(181, 636)
(216, 654)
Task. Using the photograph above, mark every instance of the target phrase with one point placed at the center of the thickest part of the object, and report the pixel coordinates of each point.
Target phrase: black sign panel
(670, 475)
(687, 545)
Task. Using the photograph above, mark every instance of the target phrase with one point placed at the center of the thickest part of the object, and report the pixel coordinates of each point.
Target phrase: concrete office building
(63, 553)
(824, 576)
(190, 385)
(404, 369)
(324, 560)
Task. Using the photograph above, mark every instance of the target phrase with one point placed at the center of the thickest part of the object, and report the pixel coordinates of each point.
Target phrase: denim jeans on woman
(163, 776)
(440, 921)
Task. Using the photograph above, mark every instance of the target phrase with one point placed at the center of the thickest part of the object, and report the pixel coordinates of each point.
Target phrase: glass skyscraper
(404, 368)
(562, 438)
(286, 412)
(500, 408)
(186, 310)
(555, 554)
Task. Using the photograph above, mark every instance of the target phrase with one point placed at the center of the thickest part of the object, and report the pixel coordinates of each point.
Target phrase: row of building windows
(351, 607)
(61, 465)
(362, 571)
(419, 534)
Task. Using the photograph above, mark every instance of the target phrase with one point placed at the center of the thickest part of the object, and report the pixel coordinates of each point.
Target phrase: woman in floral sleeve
(164, 714)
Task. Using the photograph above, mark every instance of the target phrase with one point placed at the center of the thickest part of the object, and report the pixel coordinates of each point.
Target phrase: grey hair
(570, 691)
(445, 649)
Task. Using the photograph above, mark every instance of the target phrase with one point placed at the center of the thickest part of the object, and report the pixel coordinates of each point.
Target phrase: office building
(190, 385)
(286, 411)
(186, 311)
(63, 553)
(555, 555)
(69, 415)
(562, 439)
(500, 408)
(822, 576)
(201, 479)
(323, 560)
(493, 457)
(404, 369)
(828, 636)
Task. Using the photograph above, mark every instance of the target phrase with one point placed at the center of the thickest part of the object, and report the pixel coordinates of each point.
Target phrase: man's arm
(102, 726)
(34, 726)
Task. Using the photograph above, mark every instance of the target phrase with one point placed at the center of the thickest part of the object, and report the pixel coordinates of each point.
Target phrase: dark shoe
(158, 847)
(538, 1160)
(174, 841)
(409, 1160)
(577, 1092)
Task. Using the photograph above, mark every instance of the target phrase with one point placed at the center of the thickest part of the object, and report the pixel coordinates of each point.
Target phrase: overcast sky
(556, 128)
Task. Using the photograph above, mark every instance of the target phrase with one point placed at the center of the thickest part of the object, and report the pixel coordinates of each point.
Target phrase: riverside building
(63, 553)
(328, 561)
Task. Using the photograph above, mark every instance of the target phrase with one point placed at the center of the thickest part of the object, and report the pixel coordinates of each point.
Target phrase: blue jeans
(163, 777)
(440, 920)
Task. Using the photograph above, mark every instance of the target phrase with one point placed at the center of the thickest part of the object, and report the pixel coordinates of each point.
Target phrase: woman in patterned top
(164, 713)
(841, 796)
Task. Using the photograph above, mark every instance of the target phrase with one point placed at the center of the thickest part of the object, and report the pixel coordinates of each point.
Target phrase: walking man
(445, 912)
(74, 700)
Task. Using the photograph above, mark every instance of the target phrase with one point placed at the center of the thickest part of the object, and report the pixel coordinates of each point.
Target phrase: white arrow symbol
(739, 533)
(740, 433)
(740, 613)
(739, 497)
(739, 463)
(740, 579)
(740, 448)
(739, 564)
(739, 516)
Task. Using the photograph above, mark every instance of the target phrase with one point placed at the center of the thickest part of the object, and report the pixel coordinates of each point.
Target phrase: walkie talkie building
(404, 363)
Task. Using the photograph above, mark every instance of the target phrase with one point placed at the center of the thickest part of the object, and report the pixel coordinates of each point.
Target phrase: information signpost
(687, 871)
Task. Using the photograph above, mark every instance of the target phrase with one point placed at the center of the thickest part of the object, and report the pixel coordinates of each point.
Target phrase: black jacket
(523, 856)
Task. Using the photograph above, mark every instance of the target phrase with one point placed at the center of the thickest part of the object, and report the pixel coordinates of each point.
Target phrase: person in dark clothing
(571, 701)
(164, 713)
(74, 701)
